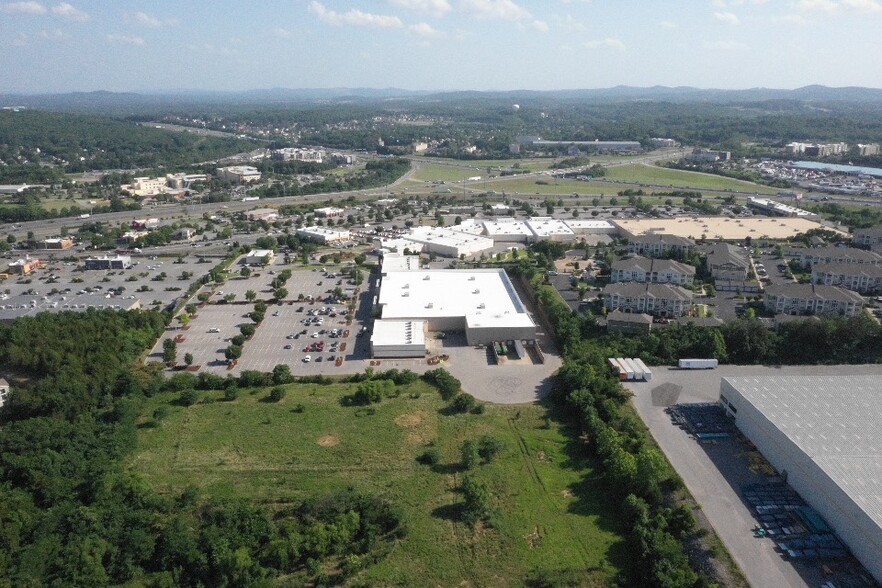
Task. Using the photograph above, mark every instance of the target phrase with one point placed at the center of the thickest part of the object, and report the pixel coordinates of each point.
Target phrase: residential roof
(652, 265)
(869, 231)
(849, 269)
(853, 253)
(726, 254)
(652, 289)
(806, 291)
(836, 421)
(628, 317)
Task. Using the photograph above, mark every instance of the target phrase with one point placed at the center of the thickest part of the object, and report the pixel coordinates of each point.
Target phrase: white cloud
(540, 25)
(65, 10)
(823, 6)
(435, 8)
(495, 10)
(20, 40)
(792, 19)
(608, 43)
(726, 18)
(726, 46)
(863, 5)
(666, 24)
(214, 50)
(426, 31)
(126, 40)
(282, 33)
(26, 8)
(354, 17)
(808, 8)
(569, 24)
(54, 35)
(144, 19)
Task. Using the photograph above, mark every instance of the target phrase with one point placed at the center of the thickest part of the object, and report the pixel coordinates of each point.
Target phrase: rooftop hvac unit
(426, 278)
(476, 291)
(471, 278)
(430, 305)
(405, 295)
(406, 286)
(482, 305)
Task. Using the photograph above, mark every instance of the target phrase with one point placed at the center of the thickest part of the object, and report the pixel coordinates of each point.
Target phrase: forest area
(40, 147)
(71, 515)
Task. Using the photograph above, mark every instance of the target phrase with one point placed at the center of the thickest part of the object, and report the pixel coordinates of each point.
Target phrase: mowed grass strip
(680, 179)
(550, 513)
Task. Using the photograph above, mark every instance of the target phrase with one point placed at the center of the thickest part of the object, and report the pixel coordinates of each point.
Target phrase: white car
(307, 359)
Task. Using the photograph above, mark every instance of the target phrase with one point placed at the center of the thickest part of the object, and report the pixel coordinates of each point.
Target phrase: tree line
(634, 467)
(72, 515)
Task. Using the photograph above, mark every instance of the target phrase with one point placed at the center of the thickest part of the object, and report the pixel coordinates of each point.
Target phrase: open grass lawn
(57, 203)
(655, 175)
(531, 164)
(551, 512)
(551, 186)
(442, 173)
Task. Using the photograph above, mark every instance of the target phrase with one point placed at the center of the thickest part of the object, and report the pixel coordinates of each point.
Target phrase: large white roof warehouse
(482, 303)
(824, 433)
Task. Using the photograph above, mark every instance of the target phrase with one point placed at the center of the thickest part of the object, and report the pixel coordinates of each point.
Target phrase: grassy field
(655, 175)
(435, 173)
(551, 513)
(531, 164)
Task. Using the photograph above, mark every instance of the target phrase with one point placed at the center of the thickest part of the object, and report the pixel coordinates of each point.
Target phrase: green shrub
(277, 393)
(430, 457)
(470, 455)
(462, 402)
(189, 397)
(489, 447)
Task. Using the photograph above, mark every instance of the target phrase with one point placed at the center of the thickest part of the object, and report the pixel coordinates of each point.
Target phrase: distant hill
(127, 103)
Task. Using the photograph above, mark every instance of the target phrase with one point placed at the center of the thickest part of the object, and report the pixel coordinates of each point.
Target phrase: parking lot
(290, 334)
(318, 336)
(65, 285)
(716, 471)
(207, 336)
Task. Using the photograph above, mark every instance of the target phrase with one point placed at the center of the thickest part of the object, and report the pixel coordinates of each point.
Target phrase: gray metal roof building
(824, 433)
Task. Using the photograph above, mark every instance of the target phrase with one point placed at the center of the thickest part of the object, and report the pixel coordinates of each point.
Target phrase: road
(165, 212)
(52, 227)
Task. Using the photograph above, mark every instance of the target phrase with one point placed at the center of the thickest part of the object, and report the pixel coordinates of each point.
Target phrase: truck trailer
(698, 364)
(647, 374)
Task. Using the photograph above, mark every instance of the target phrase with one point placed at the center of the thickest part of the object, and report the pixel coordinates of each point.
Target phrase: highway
(173, 212)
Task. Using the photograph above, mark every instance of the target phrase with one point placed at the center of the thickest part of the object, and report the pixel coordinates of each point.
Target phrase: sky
(161, 46)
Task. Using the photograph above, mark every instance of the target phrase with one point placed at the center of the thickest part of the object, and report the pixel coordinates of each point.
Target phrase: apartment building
(644, 269)
(812, 299)
(649, 298)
